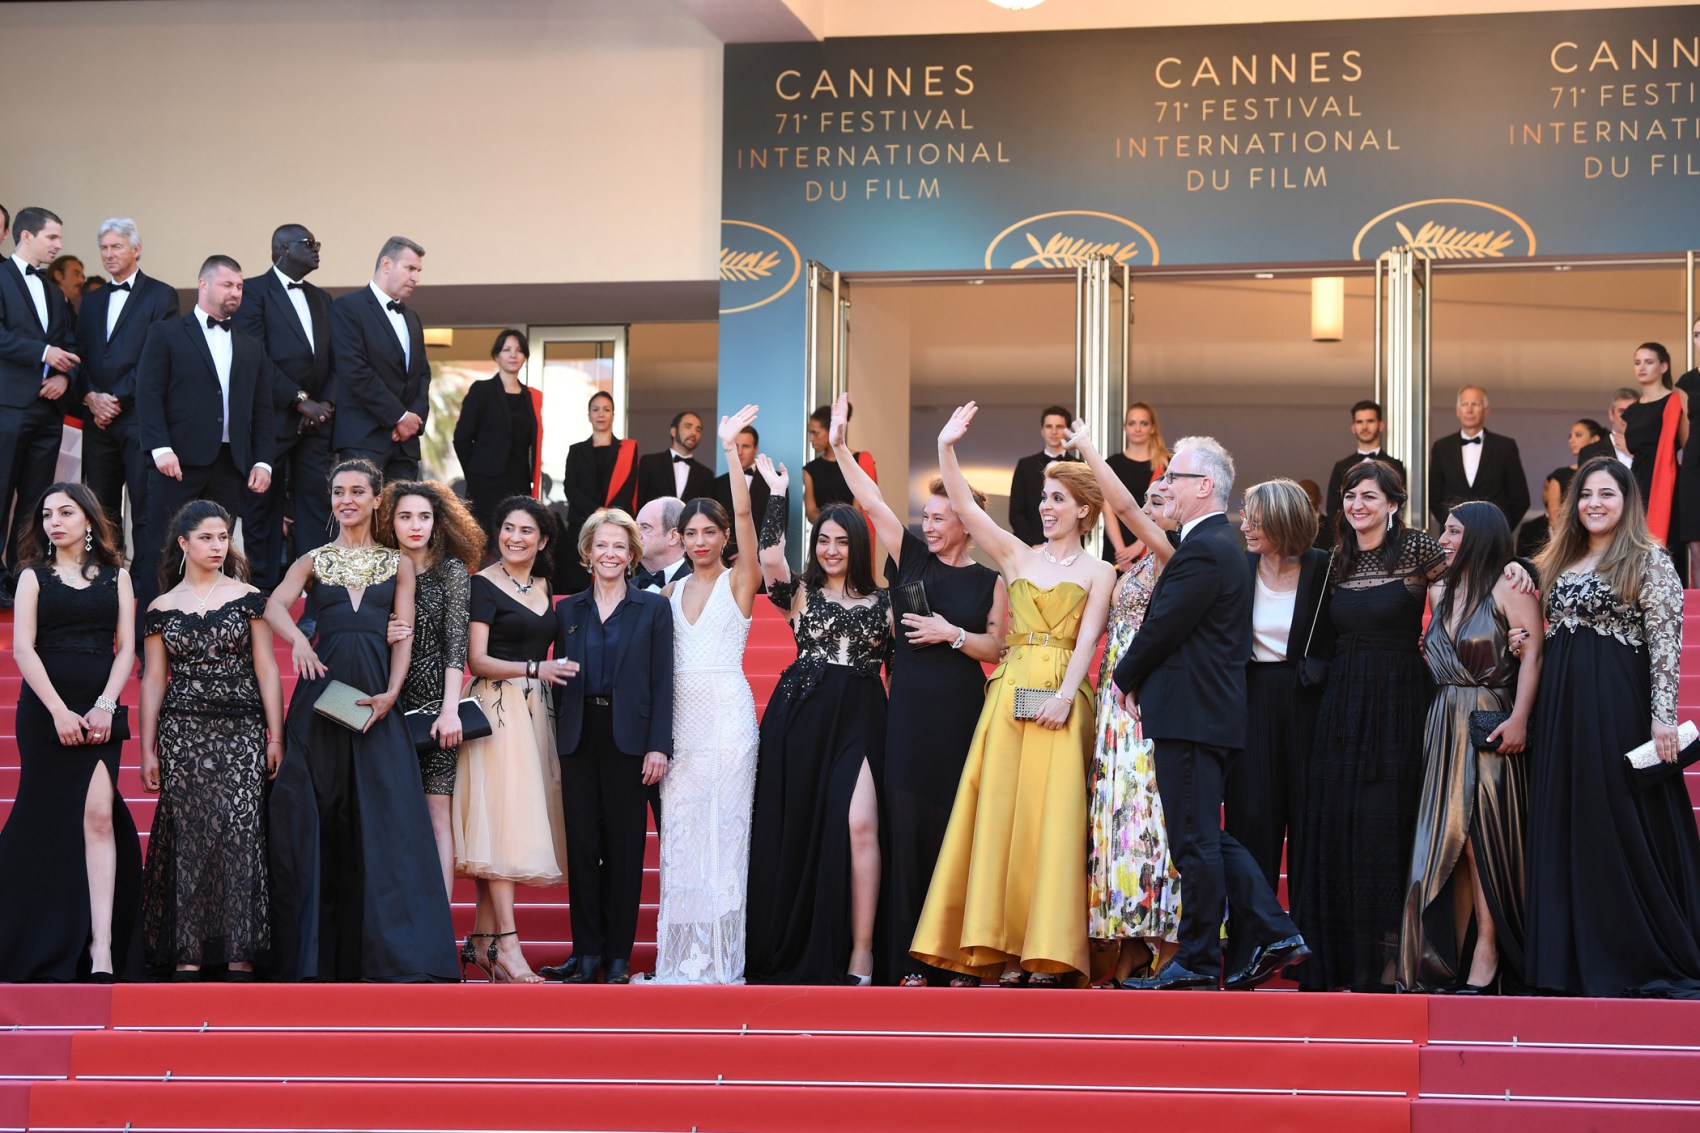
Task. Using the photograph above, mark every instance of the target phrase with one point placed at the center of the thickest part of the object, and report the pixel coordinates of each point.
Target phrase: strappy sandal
(913, 979)
(1044, 979)
(965, 981)
(1015, 977)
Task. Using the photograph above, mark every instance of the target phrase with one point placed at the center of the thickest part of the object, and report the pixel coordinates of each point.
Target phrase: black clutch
(120, 724)
(474, 724)
(1483, 721)
(911, 598)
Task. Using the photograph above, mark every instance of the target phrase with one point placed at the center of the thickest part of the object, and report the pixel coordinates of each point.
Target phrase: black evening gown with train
(936, 696)
(44, 886)
(357, 891)
(1614, 872)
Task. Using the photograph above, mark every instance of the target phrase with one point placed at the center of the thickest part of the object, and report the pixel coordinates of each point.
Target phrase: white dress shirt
(1473, 455)
(397, 323)
(681, 470)
(222, 345)
(665, 572)
(1186, 528)
(115, 299)
(36, 285)
(298, 300)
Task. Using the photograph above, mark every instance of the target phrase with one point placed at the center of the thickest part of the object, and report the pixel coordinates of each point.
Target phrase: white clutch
(1645, 756)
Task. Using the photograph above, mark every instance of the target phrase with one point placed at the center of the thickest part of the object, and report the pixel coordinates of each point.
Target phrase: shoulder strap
(622, 470)
(1316, 614)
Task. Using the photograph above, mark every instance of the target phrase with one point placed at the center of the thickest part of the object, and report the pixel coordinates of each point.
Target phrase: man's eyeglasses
(306, 242)
(1171, 477)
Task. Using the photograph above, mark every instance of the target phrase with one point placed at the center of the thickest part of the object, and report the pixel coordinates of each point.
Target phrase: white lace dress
(707, 795)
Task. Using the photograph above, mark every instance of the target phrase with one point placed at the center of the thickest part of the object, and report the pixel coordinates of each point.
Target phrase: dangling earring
(1389, 521)
(88, 541)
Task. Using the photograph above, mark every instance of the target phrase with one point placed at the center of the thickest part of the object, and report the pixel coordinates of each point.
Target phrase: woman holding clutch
(1614, 861)
(436, 532)
(356, 890)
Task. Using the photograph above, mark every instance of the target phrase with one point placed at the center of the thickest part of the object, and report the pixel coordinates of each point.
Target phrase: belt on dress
(1054, 640)
(600, 701)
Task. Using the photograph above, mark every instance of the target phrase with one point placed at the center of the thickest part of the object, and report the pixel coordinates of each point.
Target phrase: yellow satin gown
(1011, 878)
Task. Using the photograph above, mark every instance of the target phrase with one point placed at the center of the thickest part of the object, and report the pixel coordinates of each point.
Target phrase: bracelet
(106, 704)
(531, 670)
(961, 636)
(274, 743)
(1065, 699)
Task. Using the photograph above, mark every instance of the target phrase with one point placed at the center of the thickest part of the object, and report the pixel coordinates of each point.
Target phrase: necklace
(530, 580)
(1050, 558)
(201, 604)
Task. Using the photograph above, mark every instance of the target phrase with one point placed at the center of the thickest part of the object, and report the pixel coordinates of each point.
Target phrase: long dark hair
(550, 531)
(1658, 348)
(455, 534)
(190, 516)
(859, 577)
(1482, 553)
(1392, 486)
(35, 550)
(704, 505)
(361, 465)
(1631, 542)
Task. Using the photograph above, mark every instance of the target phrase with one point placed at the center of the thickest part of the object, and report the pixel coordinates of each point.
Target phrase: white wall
(520, 141)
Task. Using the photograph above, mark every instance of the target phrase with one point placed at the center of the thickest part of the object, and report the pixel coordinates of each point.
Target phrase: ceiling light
(1018, 5)
(1264, 275)
(1327, 308)
(439, 336)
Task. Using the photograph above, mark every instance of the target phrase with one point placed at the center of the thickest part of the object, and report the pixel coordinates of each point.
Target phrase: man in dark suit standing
(203, 410)
(291, 320)
(614, 734)
(676, 472)
(749, 444)
(1367, 427)
(38, 360)
(114, 324)
(1474, 464)
(382, 378)
(1027, 486)
(1186, 668)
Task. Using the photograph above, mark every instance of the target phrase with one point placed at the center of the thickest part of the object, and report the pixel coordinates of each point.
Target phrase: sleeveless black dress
(44, 887)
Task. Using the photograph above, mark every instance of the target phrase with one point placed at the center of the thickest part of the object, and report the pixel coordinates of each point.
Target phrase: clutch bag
(1028, 701)
(1482, 723)
(1649, 769)
(474, 725)
(120, 724)
(910, 598)
(336, 703)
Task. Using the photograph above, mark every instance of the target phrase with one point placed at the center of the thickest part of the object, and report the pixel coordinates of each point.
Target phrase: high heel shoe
(498, 971)
(1489, 988)
(469, 956)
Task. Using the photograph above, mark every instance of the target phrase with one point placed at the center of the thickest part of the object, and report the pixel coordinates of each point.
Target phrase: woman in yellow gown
(1008, 897)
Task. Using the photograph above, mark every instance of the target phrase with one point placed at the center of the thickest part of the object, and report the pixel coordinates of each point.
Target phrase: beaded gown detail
(708, 794)
(205, 897)
(440, 597)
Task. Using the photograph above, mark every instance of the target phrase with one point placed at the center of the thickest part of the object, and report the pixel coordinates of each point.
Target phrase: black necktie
(292, 287)
(677, 459)
(395, 306)
(120, 287)
(1475, 440)
(221, 324)
(31, 269)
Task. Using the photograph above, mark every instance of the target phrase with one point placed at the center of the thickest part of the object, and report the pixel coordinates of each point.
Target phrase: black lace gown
(1614, 872)
(204, 897)
(827, 717)
(440, 597)
(357, 890)
(1365, 777)
(44, 887)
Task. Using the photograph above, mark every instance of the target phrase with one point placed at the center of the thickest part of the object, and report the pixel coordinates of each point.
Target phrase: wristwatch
(300, 396)
(961, 636)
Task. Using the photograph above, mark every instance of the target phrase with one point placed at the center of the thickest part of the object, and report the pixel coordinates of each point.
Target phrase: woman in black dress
(937, 690)
(356, 888)
(211, 738)
(814, 841)
(1654, 431)
(1366, 769)
(496, 437)
(823, 477)
(70, 860)
(429, 525)
(1614, 862)
(1142, 459)
(601, 472)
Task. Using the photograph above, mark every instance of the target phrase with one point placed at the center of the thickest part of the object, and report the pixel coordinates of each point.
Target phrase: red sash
(1664, 471)
(623, 465)
(537, 450)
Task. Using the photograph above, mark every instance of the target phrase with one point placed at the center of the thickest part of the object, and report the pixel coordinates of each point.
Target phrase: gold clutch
(1028, 701)
(336, 703)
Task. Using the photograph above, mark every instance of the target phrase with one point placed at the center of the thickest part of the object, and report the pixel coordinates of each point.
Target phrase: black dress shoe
(1268, 960)
(1173, 977)
(588, 969)
(619, 972)
(563, 972)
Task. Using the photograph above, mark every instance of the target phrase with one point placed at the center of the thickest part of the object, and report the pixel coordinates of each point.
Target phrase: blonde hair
(935, 487)
(1160, 453)
(1631, 541)
(1284, 512)
(1077, 478)
(617, 517)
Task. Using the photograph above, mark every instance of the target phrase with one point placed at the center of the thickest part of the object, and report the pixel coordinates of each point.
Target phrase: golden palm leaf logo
(747, 266)
(1442, 243)
(752, 277)
(1065, 251)
(1076, 236)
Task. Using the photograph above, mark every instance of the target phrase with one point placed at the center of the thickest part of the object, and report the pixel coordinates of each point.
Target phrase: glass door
(1103, 299)
(569, 364)
(1403, 328)
(826, 366)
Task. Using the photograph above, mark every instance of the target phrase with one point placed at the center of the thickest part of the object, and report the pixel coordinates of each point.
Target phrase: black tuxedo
(1188, 666)
(669, 576)
(375, 384)
(302, 470)
(113, 457)
(1026, 488)
(1337, 478)
(1499, 477)
(655, 478)
(31, 426)
(602, 748)
(759, 492)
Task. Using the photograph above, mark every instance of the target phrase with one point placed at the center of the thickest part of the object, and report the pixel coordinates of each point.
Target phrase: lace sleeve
(774, 521)
(155, 621)
(1660, 604)
(457, 592)
(1421, 560)
(782, 594)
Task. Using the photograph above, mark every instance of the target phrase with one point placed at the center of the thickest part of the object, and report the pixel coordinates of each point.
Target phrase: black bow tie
(1049, 458)
(294, 286)
(1475, 440)
(394, 305)
(677, 459)
(119, 286)
(221, 324)
(31, 269)
(646, 578)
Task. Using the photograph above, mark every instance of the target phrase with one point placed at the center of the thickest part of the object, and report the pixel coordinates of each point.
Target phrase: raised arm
(1005, 548)
(885, 523)
(746, 569)
(775, 570)
(1117, 498)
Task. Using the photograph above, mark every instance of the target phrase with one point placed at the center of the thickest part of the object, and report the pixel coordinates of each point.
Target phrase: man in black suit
(1474, 464)
(291, 320)
(676, 472)
(1186, 667)
(1367, 426)
(1027, 486)
(382, 378)
(663, 559)
(614, 734)
(38, 360)
(114, 324)
(749, 443)
(203, 410)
